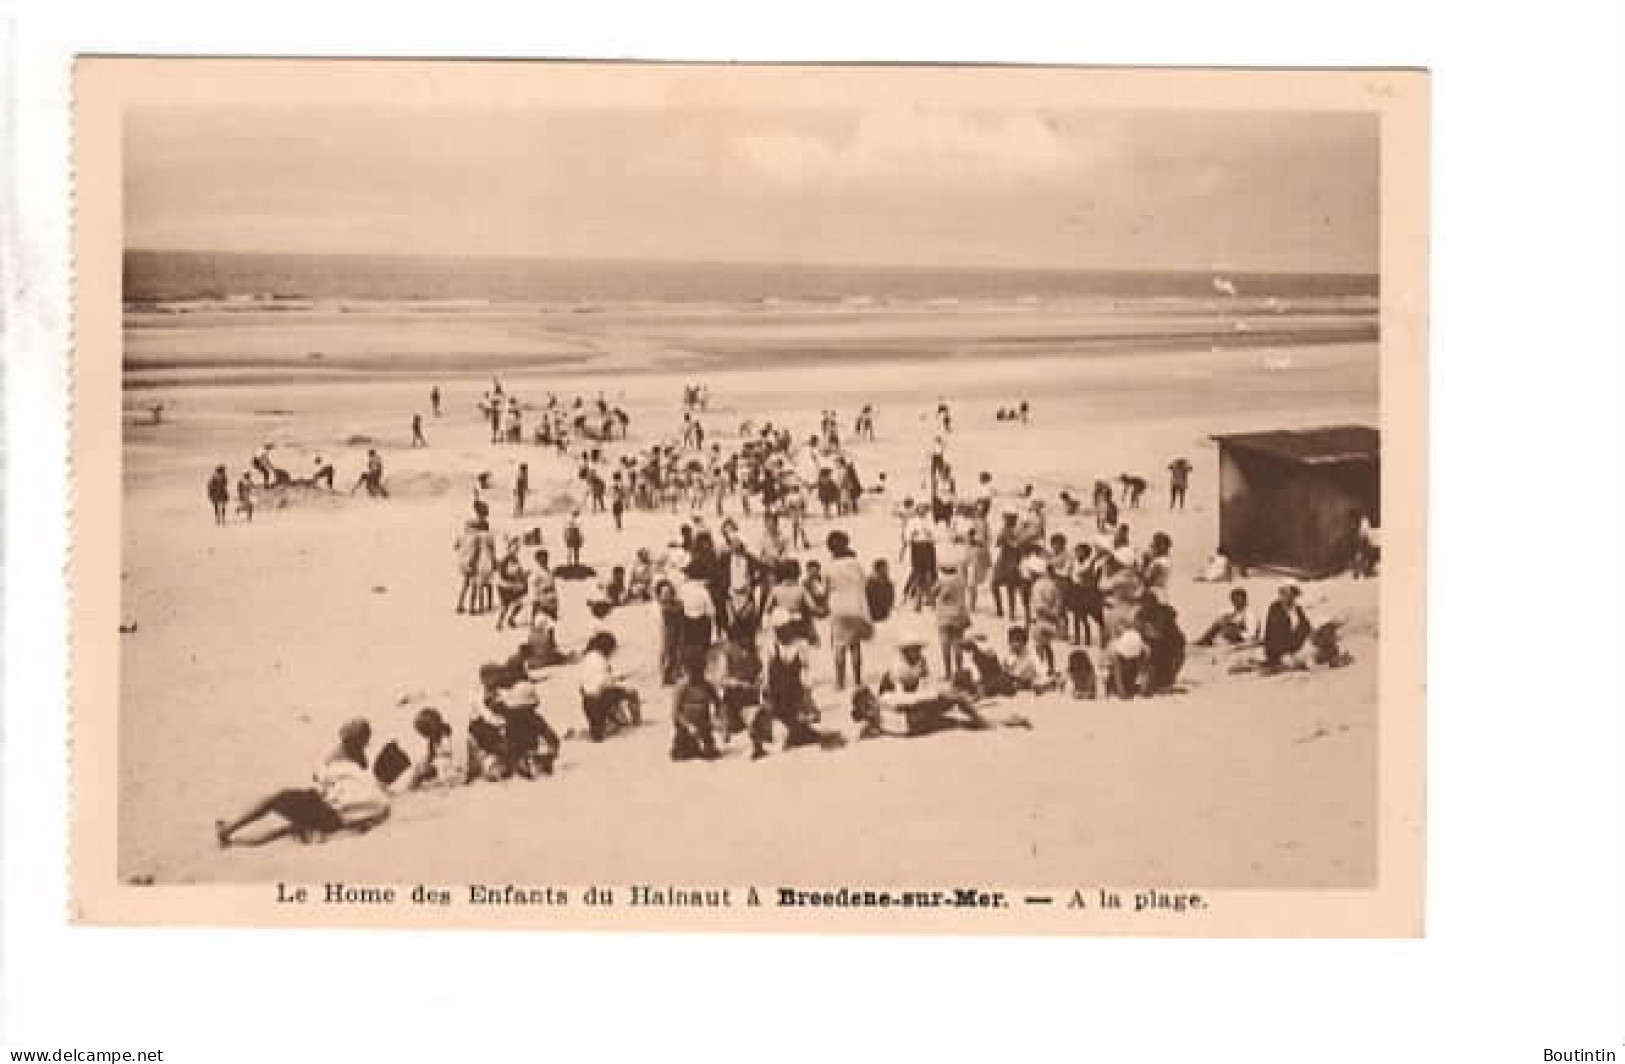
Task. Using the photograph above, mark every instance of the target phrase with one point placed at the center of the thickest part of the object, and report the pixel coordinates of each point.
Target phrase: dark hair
(1238, 595)
(839, 544)
(1162, 542)
(788, 569)
(602, 642)
(430, 724)
(541, 558)
(1017, 634)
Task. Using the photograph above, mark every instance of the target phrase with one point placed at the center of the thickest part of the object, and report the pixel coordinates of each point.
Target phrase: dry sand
(255, 641)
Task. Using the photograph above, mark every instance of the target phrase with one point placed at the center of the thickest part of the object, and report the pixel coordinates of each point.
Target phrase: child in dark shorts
(741, 682)
(693, 706)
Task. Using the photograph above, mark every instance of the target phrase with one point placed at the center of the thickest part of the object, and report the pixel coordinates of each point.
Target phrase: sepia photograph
(776, 498)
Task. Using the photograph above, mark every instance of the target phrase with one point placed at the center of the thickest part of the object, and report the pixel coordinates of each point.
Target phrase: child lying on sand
(908, 704)
(343, 795)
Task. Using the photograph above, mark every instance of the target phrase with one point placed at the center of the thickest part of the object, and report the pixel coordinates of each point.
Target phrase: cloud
(920, 146)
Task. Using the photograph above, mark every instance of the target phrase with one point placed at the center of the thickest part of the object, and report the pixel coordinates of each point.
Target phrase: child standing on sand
(467, 548)
(573, 539)
(521, 488)
(817, 589)
(953, 617)
(671, 631)
(219, 494)
(485, 564)
(511, 582)
(245, 497)
(881, 592)
(850, 625)
(1046, 605)
(544, 590)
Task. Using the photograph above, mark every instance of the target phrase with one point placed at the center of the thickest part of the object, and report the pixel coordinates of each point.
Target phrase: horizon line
(633, 260)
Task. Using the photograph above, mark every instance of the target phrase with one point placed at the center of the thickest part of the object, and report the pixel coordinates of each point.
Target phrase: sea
(152, 277)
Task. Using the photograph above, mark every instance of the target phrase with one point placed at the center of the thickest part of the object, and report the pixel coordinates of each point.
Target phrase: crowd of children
(743, 620)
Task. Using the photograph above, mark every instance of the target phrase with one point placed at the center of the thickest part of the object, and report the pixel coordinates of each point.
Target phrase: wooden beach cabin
(1285, 497)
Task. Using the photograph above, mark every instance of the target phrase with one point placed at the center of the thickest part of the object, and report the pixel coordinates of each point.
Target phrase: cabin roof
(1322, 446)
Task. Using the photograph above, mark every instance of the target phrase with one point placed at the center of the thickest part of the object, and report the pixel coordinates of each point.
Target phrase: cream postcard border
(106, 86)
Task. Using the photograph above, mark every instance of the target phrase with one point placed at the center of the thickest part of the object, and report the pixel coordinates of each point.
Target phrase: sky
(877, 186)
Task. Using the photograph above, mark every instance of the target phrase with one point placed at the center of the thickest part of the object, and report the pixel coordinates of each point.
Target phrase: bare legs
(842, 652)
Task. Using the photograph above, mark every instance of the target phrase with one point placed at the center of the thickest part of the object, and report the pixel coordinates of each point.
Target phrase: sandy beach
(252, 643)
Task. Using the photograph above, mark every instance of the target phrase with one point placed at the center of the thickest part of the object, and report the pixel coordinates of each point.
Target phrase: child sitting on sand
(443, 764)
(1080, 674)
(1026, 670)
(1158, 623)
(986, 671)
(907, 692)
(786, 698)
(640, 578)
(1125, 660)
(1237, 626)
(693, 705)
(540, 650)
(343, 795)
(741, 669)
(529, 746)
(324, 475)
(608, 704)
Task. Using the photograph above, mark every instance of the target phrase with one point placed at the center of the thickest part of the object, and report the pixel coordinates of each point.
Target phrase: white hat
(521, 695)
(1129, 644)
